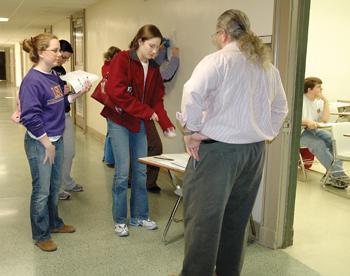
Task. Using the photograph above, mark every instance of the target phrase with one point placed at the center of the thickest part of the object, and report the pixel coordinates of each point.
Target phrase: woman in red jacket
(136, 87)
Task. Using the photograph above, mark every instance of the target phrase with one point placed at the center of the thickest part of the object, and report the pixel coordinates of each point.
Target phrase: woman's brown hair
(146, 32)
(311, 82)
(111, 52)
(36, 44)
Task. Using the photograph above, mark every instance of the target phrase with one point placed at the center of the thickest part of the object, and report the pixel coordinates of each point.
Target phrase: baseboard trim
(96, 134)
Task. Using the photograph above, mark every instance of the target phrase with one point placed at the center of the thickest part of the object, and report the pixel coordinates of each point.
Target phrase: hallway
(95, 249)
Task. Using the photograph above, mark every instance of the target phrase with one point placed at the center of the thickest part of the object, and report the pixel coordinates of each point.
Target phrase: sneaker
(121, 229)
(339, 183)
(64, 195)
(345, 179)
(145, 223)
(77, 188)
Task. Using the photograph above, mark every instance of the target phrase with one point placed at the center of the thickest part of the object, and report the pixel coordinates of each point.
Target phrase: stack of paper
(77, 79)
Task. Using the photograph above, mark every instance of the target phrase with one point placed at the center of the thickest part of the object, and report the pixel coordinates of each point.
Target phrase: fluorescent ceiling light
(4, 19)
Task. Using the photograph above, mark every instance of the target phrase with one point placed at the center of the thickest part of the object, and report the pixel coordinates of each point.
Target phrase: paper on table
(77, 78)
(321, 125)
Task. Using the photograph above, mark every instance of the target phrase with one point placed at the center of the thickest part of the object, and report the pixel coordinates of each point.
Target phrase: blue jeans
(319, 142)
(46, 181)
(127, 148)
(108, 157)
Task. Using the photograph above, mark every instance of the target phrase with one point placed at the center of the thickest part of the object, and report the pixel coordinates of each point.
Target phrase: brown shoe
(65, 228)
(47, 245)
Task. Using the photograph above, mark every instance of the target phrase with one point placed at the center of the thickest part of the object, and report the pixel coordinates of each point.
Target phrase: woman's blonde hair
(36, 44)
(236, 24)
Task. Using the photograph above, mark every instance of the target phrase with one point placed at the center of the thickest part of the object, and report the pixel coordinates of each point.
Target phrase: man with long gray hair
(233, 103)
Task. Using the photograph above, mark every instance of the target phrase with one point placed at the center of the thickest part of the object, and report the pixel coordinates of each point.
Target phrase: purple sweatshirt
(42, 103)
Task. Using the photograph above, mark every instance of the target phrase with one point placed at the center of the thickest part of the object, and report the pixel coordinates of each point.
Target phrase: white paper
(325, 125)
(77, 78)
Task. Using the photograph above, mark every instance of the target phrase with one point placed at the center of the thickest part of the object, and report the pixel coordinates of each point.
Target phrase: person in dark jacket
(68, 183)
(168, 69)
(136, 88)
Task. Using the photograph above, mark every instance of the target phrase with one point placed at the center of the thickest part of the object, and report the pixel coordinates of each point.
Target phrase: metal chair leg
(171, 218)
(301, 161)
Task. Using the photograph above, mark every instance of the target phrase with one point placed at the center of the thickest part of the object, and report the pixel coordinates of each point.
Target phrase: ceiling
(29, 15)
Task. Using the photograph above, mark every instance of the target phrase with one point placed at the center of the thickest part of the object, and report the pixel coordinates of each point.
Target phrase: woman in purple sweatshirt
(42, 113)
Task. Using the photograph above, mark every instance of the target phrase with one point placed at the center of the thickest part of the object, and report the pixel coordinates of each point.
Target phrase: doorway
(317, 231)
(2, 66)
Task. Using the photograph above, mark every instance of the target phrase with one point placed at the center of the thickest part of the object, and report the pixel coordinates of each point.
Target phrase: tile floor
(95, 249)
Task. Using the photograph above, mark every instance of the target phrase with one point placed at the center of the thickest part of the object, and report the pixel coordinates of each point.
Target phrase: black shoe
(154, 190)
(110, 165)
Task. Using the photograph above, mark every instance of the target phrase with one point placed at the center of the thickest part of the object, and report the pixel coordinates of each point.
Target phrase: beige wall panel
(188, 23)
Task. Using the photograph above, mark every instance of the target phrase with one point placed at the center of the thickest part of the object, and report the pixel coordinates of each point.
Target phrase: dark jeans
(154, 148)
(46, 181)
(219, 193)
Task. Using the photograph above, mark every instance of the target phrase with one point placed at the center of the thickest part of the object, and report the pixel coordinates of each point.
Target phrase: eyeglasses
(56, 51)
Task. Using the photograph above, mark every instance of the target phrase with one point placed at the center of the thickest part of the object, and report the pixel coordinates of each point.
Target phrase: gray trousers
(219, 193)
(68, 154)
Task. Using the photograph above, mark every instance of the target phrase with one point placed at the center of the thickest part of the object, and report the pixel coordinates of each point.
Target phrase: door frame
(290, 31)
(79, 108)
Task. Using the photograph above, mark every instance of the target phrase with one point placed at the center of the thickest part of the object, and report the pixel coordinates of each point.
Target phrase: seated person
(318, 141)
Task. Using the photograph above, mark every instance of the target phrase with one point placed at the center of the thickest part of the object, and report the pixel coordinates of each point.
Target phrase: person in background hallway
(168, 69)
(319, 141)
(108, 158)
(233, 102)
(136, 87)
(42, 113)
(68, 184)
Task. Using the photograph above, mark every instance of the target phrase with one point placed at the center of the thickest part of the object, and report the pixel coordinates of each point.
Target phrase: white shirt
(145, 70)
(232, 100)
(312, 110)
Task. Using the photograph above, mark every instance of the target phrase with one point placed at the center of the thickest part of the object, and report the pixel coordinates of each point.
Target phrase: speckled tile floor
(95, 249)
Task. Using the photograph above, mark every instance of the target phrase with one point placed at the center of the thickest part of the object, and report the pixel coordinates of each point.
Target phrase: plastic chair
(341, 146)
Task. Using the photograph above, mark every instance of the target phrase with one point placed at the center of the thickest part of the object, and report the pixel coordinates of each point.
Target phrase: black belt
(209, 141)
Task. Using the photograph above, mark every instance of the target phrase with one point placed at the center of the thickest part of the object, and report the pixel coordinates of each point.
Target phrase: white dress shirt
(232, 100)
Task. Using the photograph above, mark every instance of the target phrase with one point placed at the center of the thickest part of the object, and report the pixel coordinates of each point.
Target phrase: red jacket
(105, 68)
(137, 104)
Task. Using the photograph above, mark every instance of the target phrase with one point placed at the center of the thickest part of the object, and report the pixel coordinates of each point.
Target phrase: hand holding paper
(78, 78)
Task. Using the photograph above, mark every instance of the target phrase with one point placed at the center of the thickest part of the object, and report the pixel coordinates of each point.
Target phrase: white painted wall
(62, 31)
(189, 23)
(328, 54)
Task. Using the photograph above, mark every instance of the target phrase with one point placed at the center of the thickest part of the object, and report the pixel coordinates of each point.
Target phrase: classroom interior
(320, 243)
